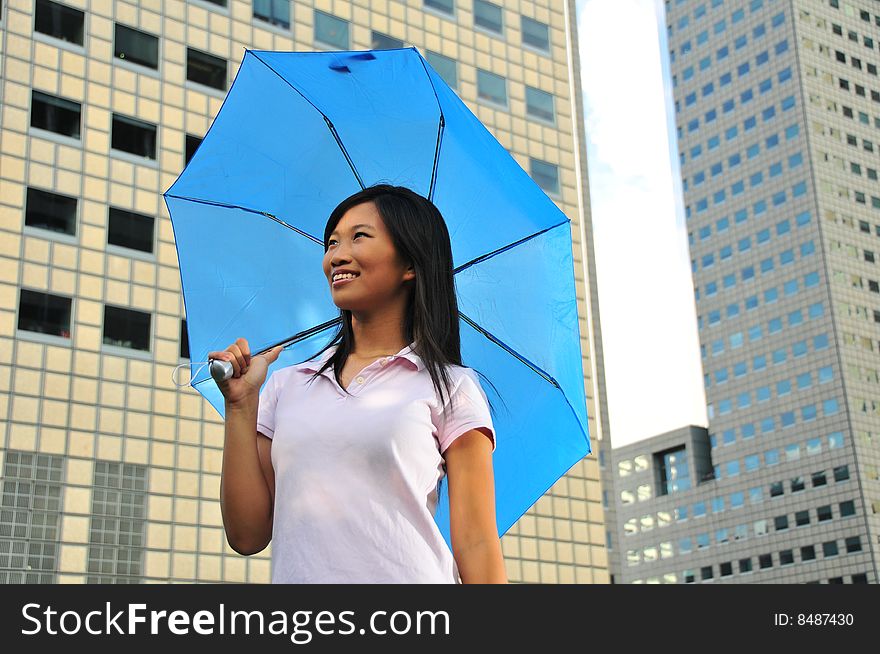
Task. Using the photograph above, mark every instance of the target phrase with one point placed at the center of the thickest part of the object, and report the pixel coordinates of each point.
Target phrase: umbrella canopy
(300, 132)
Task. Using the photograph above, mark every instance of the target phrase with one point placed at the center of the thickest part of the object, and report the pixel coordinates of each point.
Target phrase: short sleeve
(266, 410)
(467, 409)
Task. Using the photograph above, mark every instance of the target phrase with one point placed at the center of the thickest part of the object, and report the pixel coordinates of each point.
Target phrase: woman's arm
(247, 482)
(475, 542)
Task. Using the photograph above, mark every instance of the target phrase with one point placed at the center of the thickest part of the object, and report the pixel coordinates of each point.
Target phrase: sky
(653, 375)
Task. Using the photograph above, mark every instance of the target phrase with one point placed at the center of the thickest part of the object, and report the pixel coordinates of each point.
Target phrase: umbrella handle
(221, 370)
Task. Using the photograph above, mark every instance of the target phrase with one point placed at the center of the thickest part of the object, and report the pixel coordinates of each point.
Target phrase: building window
(55, 114)
(446, 6)
(136, 46)
(847, 508)
(331, 30)
(116, 534)
(786, 557)
(535, 34)
(384, 42)
(60, 21)
(445, 67)
(546, 175)
(819, 479)
(841, 473)
(126, 328)
(276, 12)
(756, 495)
(130, 230)
(853, 544)
(206, 69)
(184, 340)
(808, 553)
(29, 522)
(706, 573)
(192, 144)
(51, 211)
(765, 561)
(674, 471)
(780, 522)
(745, 565)
(823, 513)
(44, 313)
(491, 87)
(802, 518)
(539, 104)
(488, 16)
(829, 548)
(134, 136)
(776, 489)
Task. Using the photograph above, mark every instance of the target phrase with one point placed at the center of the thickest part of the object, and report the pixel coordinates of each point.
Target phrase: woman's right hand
(249, 372)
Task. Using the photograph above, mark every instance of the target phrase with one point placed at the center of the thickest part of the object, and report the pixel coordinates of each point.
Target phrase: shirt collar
(406, 354)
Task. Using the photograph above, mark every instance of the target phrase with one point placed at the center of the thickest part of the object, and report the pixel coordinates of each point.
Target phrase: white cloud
(648, 318)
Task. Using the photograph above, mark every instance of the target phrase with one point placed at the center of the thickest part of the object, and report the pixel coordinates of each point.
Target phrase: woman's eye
(332, 241)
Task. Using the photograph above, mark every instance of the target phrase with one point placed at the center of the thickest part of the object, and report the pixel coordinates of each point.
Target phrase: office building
(777, 114)
(109, 473)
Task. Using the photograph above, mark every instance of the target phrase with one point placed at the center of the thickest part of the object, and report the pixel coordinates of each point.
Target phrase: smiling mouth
(345, 280)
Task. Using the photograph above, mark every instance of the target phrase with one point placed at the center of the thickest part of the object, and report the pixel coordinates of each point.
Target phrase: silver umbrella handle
(221, 370)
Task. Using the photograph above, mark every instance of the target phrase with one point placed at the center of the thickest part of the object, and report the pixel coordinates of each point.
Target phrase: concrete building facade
(777, 112)
(109, 473)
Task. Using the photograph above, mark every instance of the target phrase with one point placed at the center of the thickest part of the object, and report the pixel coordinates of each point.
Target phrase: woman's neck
(378, 337)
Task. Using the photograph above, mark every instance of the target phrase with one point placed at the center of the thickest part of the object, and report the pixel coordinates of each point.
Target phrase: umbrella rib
(510, 351)
(323, 115)
(301, 336)
(528, 364)
(287, 341)
(440, 129)
(254, 211)
(495, 253)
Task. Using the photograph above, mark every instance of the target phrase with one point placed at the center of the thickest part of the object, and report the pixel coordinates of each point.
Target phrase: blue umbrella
(298, 133)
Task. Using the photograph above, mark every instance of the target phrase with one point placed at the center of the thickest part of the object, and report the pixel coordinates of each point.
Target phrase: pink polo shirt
(356, 475)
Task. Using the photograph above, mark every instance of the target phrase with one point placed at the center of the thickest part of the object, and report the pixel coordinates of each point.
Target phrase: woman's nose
(338, 257)
(339, 254)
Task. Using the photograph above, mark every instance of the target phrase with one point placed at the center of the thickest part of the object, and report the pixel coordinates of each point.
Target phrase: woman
(356, 442)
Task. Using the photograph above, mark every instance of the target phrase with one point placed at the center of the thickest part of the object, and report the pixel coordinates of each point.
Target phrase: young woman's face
(361, 244)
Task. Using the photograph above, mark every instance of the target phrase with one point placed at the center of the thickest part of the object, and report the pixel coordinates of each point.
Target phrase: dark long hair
(419, 234)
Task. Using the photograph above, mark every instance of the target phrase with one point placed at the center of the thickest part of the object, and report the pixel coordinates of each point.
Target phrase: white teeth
(336, 278)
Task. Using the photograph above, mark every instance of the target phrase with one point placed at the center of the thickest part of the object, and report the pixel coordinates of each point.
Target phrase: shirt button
(360, 380)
